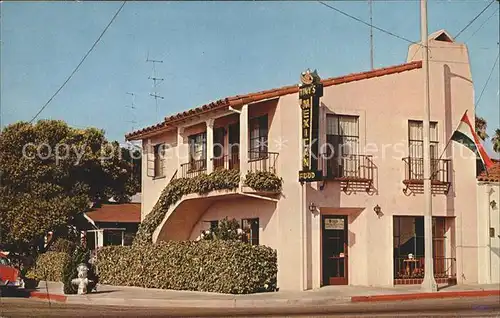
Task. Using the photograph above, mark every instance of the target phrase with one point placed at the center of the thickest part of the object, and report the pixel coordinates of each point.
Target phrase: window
(251, 229)
(198, 151)
(416, 139)
(159, 154)
(214, 225)
(258, 137)
(342, 136)
(112, 237)
(408, 233)
(416, 149)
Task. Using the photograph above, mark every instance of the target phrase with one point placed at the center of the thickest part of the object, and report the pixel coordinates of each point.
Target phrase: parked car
(10, 276)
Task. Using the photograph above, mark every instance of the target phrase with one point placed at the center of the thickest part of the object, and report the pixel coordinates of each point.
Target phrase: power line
(79, 64)
(481, 26)
(487, 81)
(472, 21)
(368, 24)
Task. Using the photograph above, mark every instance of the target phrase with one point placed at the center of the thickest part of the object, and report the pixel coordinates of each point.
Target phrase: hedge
(63, 245)
(49, 266)
(209, 266)
(220, 179)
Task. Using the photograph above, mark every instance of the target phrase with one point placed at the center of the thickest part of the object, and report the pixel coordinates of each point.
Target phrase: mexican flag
(466, 135)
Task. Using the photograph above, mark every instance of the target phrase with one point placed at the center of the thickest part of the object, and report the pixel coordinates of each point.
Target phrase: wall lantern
(493, 204)
(312, 207)
(378, 210)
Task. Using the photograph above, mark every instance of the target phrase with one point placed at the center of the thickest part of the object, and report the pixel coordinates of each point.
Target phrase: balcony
(414, 175)
(262, 161)
(258, 161)
(353, 171)
(193, 168)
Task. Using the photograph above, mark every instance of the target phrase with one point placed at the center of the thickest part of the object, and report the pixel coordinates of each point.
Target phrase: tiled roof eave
(240, 100)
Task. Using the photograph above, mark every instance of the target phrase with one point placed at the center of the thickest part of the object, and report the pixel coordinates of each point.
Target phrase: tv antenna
(156, 81)
(132, 110)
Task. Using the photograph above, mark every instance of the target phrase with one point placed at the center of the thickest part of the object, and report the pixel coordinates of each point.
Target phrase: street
(464, 307)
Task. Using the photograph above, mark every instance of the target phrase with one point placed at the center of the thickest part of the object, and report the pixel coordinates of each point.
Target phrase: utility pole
(156, 82)
(371, 35)
(429, 283)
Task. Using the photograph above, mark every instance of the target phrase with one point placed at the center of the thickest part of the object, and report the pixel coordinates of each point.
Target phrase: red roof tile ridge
(238, 100)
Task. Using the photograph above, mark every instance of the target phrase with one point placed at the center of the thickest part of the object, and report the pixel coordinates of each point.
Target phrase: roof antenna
(132, 110)
(156, 81)
(371, 34)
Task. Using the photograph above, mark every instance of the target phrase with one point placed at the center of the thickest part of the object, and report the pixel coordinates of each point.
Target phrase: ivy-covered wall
(220, 179)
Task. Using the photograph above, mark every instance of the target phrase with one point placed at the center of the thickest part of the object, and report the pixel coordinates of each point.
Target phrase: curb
(437, 295)
(195, 303)
(46, 296)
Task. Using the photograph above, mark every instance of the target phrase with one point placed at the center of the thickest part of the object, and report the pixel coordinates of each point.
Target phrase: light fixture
(312, 207)
(378, 210)
(493, 204)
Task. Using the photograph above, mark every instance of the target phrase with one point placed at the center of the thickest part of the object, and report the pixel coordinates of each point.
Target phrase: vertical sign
(310, 92)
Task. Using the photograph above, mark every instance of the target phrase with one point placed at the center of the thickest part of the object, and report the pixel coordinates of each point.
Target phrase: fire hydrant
(82, 281)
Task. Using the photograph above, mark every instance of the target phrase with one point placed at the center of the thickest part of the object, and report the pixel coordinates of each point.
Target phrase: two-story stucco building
(359, 224)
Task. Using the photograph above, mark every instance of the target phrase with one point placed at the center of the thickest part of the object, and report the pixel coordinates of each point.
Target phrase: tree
(49, 173)
(481, 128)
(496, 140)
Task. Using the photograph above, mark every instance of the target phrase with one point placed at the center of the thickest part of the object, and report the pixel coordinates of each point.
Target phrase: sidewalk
(146, 297)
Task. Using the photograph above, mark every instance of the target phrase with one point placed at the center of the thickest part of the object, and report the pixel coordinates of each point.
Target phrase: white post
(243, 143)
(180, 143)
(429, 283)
(210, 145)
(100, 238)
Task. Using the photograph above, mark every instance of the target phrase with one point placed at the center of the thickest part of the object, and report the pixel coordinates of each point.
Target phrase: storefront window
(409, 248)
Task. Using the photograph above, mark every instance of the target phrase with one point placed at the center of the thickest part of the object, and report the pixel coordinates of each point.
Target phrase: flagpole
(428, 283)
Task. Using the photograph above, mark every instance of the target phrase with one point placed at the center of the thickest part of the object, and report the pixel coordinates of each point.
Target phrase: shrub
(227, 230)
(63, 245)
(263, 181)
(210, 266)
(218, 180)
(49, 266)
(79, 256)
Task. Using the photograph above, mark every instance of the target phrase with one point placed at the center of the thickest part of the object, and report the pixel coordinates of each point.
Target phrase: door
(234, 149)
(218, 143)
(334, 249)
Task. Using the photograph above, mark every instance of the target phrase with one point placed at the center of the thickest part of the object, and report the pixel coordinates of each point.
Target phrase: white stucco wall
(488, 247)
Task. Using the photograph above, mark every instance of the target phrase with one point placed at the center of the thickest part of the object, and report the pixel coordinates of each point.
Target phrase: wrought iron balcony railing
(193, 168)
(414, 175)
(262, 161)
(230, 162)
(350, 168)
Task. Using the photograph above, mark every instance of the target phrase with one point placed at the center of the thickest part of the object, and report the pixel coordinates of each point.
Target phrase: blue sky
(210, 50)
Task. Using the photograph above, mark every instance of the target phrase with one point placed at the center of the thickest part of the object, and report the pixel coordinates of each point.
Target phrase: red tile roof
(239, 100)
(493, 174)
(120, 213)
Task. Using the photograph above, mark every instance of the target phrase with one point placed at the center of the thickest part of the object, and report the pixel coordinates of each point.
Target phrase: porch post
(180, 143)
(210, 145)
(243, 143)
